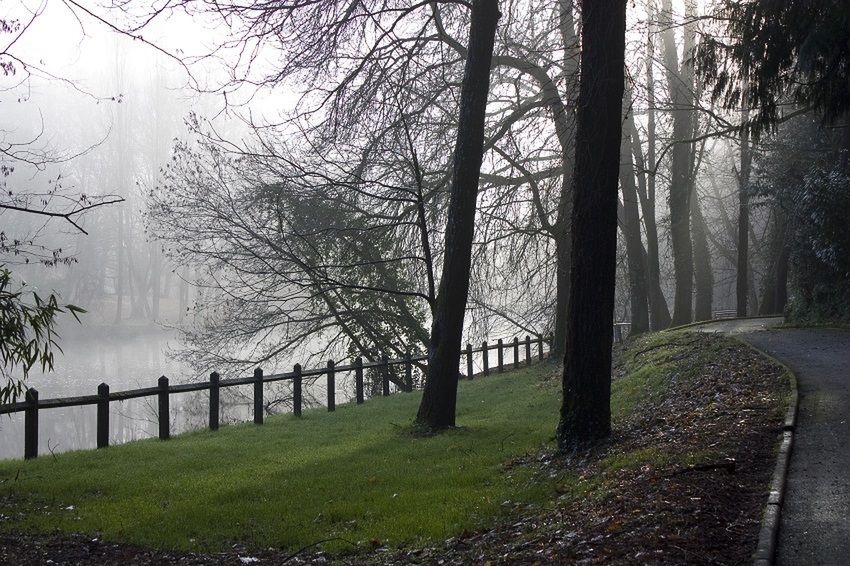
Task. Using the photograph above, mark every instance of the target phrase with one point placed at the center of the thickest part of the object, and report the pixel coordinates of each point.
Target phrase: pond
(124, 363)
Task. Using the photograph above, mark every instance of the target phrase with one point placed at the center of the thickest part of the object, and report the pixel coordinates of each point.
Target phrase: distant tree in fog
(777, 60)
(24, 147)
(298, 252)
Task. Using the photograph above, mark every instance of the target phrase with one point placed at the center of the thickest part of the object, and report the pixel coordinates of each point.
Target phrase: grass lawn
(357, 475)
(361, 476)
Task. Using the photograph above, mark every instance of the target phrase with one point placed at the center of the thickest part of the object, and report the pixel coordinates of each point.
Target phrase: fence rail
(163, 391)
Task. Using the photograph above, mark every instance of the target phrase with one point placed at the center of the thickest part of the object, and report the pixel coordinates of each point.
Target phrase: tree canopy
(778, 52)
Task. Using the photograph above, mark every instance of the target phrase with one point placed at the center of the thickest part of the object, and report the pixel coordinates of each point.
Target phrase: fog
(85, 363)
(133, 358)
(218, 200)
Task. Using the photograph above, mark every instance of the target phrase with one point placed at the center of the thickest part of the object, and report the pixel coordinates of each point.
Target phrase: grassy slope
(357, 475)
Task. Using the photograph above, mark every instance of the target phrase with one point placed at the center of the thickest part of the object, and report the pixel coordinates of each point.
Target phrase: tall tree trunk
(782, 278)
(703, 276)
(751, 285)
(439, 399)
(743, 225)
(775, 288)
(679, 84)
(767, 305)
(659, 313)
(119, 280)
(564, 124)
(586, 406)
(562, 289)
(634, 245)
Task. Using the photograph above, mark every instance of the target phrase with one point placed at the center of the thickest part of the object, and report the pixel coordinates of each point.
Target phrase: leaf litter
(684, 480)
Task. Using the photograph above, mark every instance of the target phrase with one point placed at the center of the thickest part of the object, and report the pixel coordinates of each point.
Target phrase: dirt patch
(683, 481)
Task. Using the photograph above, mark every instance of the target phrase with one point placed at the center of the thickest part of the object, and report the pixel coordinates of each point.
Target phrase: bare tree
(408, 75)
(28, 149)
(631, 229)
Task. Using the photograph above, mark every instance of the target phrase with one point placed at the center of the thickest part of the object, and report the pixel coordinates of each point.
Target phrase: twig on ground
(728, 465)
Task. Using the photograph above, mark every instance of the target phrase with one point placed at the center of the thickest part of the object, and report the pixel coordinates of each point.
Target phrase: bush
(27, 333)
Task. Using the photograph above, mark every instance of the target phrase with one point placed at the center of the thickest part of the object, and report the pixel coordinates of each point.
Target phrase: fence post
(258, 396)
(469, 367)
(103, 416)
(484, 359)
(527, 350)
(385, 375)
(516, 352)
(296, 391)
(31, 425)
(215, 386)
(500, 355)
(408, 371)
(540, 345)
(358, 379)
(164, 411)
(331, 386)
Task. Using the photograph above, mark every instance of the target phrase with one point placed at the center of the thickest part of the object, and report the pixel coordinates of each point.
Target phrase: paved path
(815, 519)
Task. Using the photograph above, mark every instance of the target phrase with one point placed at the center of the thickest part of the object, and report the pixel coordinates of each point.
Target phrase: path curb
(766, 549)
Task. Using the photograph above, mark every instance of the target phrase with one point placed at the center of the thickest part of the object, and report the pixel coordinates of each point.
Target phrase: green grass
(646, 362)
(359, 474)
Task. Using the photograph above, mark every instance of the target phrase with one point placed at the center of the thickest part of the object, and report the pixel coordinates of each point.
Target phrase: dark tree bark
(782, 278)
(439, 399)
(634, 245)
(659, 313)
(586, 407)
(562, 291)
(775, 286)
(743, 225)
(703, 276)
(565, 130)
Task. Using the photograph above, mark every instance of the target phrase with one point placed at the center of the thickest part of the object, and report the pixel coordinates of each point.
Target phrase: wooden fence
(163, 391)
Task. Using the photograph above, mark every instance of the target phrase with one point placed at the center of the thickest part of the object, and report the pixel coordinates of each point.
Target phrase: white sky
(65, 42)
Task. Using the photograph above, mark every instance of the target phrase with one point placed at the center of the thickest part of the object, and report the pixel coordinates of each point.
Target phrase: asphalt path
(814, 523)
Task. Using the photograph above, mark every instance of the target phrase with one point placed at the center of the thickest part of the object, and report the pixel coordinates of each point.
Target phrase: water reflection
(131, 363)
(122, 363)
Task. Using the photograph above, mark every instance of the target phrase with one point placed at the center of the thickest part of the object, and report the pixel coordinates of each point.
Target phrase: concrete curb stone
(769, 533)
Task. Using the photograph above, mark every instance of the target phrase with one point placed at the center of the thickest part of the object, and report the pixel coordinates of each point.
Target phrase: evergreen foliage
(803, 174)
(773, 50)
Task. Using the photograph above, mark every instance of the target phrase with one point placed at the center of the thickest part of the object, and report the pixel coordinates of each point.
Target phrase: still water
(122, 363)
(131, 363)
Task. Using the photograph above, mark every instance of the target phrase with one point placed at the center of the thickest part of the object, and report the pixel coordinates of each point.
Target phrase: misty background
(238, 214)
